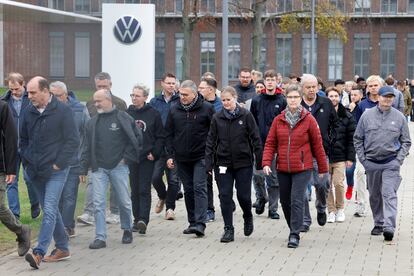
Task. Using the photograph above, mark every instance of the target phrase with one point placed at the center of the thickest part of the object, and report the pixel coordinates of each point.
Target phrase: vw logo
(127, 29)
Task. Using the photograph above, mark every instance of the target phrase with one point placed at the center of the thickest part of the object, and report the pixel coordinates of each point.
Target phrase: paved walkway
(335, 249)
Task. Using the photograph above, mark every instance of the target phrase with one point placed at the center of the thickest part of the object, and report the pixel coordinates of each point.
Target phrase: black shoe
(321, 217)
(35, 210)
(293, 242)
(228, 235)
(377, 230)
(23, 241)
(127, 237)
(134, 227)
(260, 207)
(199, 231)
(388, 236)
(142, 227)
(97, 244)
(179, 196)
(189, 230)
(248, 226)
(273, 215)
(304, 228)
(254, 205)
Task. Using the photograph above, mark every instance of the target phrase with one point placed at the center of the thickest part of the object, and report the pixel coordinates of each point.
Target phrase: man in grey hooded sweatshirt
(382, 141)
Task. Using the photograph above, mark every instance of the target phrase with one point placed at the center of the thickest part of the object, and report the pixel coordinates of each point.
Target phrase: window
(208, 53)
(82, 55)
(263, 54)
(387, 56)
(283, 6)
(389, 6)
(306, 55)
(361, 55)
(179, 48)
(362, 6)
(410, 56)
(82, 6)
(335, 59)
(159, 55)
(411, 6)
(159, 6)
(208, 6)
(234, 56)
(339, 4)
(178, 6)
(132, 1)
(284, 54)
(56, 54)
(56, 4)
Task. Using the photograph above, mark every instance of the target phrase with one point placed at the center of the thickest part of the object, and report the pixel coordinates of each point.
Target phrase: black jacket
(245, 93)
(48, 138)
(187, 131)
(264, 109)
(8, 140)
(232, 142)
(343, 141)
(149, 121)
(132, 151)
(325, 114)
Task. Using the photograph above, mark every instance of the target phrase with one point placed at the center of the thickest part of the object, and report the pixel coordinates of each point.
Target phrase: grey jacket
(382, 136)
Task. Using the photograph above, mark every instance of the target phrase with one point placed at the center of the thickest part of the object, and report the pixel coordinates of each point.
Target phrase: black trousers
(242, 179)
(169, 194)
(140, 176)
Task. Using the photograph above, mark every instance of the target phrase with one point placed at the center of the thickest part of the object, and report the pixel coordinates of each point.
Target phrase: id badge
(222, 170)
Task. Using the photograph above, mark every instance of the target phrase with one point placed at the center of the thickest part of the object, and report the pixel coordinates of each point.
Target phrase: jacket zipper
(288, 155)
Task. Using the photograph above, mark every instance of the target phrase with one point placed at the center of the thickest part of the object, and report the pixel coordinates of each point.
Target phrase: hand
(82, 178)
(242, 105)
(321, 175)
(10, 178)
(349, 164)
(150, 157)
(170, 163)
(267, 170)
(56, 168)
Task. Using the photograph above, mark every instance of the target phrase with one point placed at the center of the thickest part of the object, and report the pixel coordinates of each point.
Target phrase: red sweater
(295, 147)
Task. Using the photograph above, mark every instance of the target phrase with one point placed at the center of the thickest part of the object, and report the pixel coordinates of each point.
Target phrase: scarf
(232, 114)
(293, 118)
(190, 105)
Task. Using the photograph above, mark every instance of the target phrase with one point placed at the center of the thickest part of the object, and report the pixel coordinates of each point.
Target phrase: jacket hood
(132, 108)
(242, 112)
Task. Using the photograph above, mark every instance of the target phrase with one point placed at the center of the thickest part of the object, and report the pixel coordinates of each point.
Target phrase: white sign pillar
(128, 46)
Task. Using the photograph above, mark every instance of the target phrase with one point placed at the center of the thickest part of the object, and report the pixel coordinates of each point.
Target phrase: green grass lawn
(8, 239)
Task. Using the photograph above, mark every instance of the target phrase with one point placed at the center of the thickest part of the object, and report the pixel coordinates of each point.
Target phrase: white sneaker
(86, 219)
(170, 214)
(331, 217)
(112, 219)
(360, 210)
(340, 215)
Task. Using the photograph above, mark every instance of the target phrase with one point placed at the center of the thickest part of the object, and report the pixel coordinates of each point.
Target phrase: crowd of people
(281, 135)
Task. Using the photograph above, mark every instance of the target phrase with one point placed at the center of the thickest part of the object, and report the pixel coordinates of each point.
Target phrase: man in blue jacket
(48, 142)
(17, 100)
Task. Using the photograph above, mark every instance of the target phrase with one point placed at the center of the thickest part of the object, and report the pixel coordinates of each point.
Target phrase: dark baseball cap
(386, 90)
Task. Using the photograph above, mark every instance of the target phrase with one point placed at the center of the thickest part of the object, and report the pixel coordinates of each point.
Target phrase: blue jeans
(118, 177)
(49, 191)
(350, 175)
(13, 191)
(194, 178)
(67, 203)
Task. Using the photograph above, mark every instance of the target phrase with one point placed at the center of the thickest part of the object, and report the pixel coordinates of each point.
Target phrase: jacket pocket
(302, 159)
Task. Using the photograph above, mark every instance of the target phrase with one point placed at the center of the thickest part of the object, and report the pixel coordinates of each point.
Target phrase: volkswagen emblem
(127, 29)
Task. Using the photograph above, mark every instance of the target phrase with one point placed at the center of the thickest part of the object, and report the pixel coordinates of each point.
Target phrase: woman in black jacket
(149, 121)
(232, 141)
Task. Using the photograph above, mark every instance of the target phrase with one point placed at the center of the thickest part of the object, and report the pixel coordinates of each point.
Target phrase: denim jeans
(321, 190)
(350, 175)
(69, 196)
(13, 191)
(118, 177)
(6, 216)
(194, 178)
(168, 194)
(49, 192)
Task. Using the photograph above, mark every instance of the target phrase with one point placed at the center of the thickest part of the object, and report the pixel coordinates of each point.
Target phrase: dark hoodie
(149, 121)
(245, 93)
(187, 130)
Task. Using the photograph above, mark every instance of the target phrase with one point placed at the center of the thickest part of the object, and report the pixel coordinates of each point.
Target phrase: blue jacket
(218, 105)
(362, 106)
(162, 106)
(48, 138)
(81, 119)
(17, 117)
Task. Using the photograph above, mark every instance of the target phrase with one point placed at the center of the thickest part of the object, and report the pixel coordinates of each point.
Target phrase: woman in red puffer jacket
(296, 139)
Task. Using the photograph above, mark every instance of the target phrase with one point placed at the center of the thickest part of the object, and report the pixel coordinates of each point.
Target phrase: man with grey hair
(187, 127)
(325, 114)
(112, 141)
(69, 196)
(102, 81)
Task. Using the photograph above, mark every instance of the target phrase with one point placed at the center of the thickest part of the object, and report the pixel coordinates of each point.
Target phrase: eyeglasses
(292, 97)
(134, 96)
